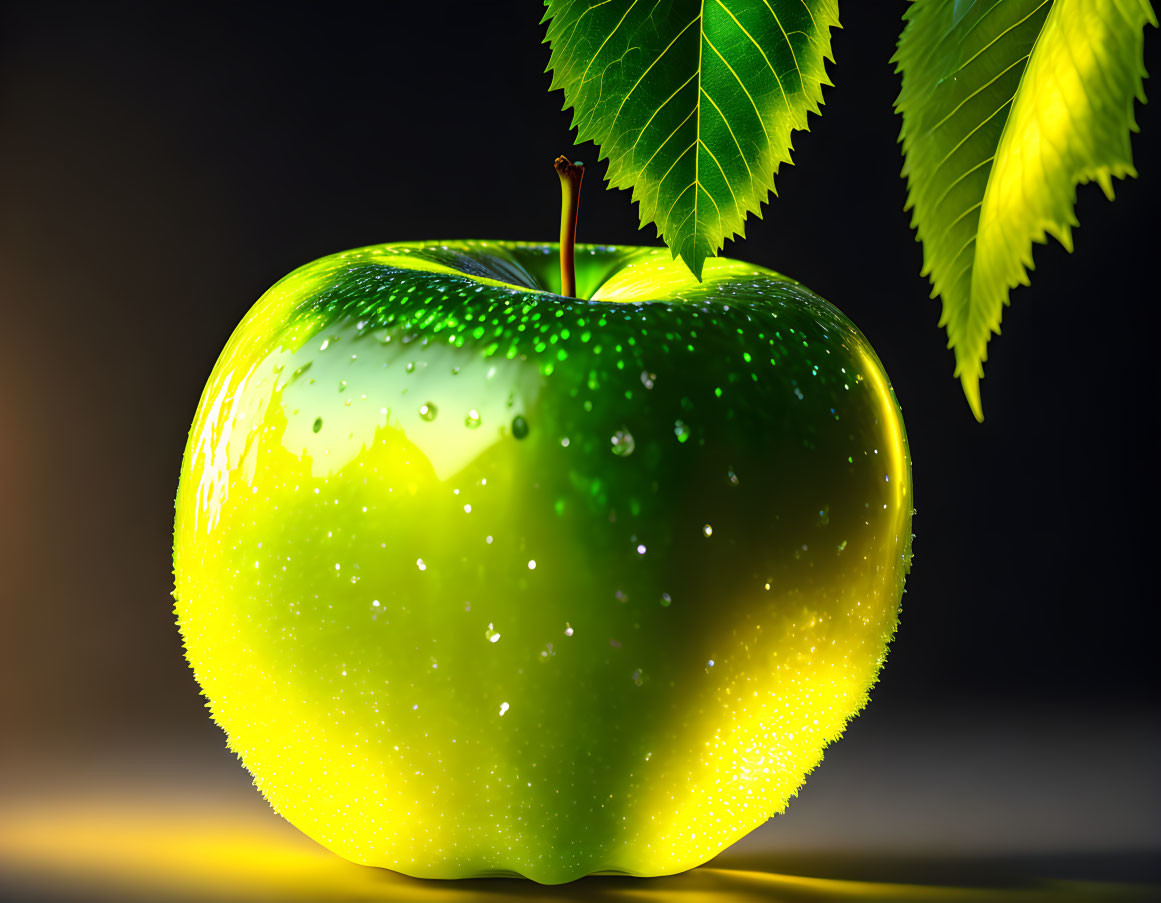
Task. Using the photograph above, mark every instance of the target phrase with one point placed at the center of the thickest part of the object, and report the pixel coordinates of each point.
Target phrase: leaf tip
(971, 391)
(695, 266)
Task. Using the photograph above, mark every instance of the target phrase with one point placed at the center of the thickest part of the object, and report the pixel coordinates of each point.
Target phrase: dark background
(162, 165)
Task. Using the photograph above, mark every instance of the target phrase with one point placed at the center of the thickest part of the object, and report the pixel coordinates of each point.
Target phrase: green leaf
(691, 101)
(1007, 106)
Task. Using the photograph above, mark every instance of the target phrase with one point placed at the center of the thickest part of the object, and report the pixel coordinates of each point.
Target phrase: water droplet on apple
(648, 379)
(638, 677)
(519, 427)
(708, 531)
(410, 368)
(473, 419)
(665, 600)
(623, 443)
(492, 635)
(317, 424)
(681, 430)
(342, 385)
(732, 477)
(427, 411)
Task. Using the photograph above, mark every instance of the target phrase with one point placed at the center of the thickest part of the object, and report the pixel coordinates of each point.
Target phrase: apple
(483, 579)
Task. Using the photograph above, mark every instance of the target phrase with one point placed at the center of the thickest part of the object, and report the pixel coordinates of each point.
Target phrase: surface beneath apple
(481, 579)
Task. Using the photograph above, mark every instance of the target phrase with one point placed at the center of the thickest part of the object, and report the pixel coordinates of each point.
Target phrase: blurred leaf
(1007, 106)
(692, 102)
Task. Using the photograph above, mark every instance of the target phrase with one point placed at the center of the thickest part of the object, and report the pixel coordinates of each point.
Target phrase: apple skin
(481, 580)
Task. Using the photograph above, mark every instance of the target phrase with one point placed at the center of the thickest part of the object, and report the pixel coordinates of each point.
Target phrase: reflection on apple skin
(480, 580)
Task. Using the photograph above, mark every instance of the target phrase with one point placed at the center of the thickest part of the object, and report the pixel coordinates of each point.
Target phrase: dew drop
(708, 531)
(623, 443)
(317, 424)
(732, 477)
(342, 385)
(681, 430)
(519, 427)
(410, 368)
(427, 411)
(638, 677)
(648, 379)
(473, 419)
(665, 600)
(824, 515)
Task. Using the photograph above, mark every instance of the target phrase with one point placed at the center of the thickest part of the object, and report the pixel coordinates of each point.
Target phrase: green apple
(481, 579)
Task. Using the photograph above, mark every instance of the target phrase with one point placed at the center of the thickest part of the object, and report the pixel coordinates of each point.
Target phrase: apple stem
(571, 175)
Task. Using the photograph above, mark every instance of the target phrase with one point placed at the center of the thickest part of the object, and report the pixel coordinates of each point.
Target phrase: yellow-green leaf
(691, 101)
(1007, 106)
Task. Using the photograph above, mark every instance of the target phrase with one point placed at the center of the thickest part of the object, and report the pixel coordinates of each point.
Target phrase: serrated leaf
(691, 101)
(1007, 106)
